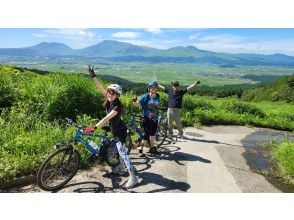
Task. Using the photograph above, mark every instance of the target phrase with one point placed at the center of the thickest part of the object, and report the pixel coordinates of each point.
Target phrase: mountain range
(120, 51)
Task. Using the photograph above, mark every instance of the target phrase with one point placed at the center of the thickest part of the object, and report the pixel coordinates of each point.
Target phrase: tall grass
(282, 155)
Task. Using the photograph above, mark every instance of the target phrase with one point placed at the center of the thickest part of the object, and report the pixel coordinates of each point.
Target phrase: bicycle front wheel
(58, 169)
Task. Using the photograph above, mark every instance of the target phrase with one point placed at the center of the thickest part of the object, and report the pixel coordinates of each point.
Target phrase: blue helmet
(152, 83)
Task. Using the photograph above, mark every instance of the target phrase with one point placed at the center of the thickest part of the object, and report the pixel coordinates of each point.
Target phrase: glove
(91, 72)
(90, 129)
(198, 82)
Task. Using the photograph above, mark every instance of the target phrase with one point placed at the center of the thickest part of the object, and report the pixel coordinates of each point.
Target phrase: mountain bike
(63, 163)
(136, 133)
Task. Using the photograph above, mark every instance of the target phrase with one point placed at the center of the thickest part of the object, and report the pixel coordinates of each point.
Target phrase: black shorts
(150, 127)
(121, 134)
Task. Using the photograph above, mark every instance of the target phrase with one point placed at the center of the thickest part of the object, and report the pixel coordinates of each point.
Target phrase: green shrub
(191, 102)
(6, 94)
(243, 108)
(283, 156)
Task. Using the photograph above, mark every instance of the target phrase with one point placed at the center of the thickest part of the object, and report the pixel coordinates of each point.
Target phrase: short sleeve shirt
(175, 98)
(150, 106)
(116, 124)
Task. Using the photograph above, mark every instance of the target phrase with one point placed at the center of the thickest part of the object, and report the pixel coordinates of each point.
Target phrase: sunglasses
(153, 87)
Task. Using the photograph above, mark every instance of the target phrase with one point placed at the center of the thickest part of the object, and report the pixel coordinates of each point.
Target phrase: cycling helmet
(152, 83)
(116, 88)
(175, 83)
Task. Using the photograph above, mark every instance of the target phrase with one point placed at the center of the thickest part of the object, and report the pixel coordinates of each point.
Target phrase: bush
(191, 102)
(283, 156)
(6, 94)
(243, 108)
(73, 101)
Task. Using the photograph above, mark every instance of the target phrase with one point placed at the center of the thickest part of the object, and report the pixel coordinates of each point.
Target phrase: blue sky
(232, 40)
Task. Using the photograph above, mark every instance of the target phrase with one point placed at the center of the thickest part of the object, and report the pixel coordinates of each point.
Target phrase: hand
(198, 82)
(135, 98)
(90, 70)
(90, 129)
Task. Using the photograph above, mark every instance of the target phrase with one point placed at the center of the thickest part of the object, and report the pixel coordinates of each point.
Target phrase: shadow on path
(164, 182)
(166, 154)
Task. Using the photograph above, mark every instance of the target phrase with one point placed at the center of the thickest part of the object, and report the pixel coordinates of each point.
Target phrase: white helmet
(116, 88)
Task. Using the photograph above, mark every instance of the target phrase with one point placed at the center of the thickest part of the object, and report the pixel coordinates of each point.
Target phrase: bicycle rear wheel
(58, 169)
(161, 134)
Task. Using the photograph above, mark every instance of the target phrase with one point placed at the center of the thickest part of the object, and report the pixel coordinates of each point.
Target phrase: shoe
(153, 150)
(119, 170)
(132, 181)
(182, 136)
(140, 153)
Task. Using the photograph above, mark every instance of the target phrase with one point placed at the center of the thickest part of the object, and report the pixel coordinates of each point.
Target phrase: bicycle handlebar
(71, 122)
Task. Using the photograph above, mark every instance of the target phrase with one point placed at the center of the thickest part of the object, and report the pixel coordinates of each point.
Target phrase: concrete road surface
(218, 159)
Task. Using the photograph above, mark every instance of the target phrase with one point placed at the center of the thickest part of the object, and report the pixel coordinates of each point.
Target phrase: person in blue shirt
(175, 99)
(150, 103)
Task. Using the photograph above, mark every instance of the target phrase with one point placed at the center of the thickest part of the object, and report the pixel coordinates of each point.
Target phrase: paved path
(213, 159)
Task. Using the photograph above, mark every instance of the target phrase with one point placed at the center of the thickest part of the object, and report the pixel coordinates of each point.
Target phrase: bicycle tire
(112, 156)
(162, 128)
(73, 156)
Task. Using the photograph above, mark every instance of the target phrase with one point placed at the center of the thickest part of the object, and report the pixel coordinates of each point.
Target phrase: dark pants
(150, 127)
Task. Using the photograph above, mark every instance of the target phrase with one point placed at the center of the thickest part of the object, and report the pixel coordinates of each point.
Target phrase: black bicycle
(136, 133)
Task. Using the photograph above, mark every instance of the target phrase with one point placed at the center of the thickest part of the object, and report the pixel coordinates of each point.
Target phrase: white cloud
(71, 32)
(126, 34)
(39, 35)
(87, 34)
(236, 44)
(224, 38)
(193, 36)
(154, 30)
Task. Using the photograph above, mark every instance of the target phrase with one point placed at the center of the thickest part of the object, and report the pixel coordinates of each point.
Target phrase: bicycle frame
(78, 138)
(133, 126)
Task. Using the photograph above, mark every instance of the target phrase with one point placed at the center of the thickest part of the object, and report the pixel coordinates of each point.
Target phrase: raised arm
(161, 87)
(135, 102)
(96, 81)
(193, 85)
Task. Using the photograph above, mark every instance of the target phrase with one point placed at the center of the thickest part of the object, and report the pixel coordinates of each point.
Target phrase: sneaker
(119, 170)
(132, 181)
(182, 136)
(140, 153)
(153, 150)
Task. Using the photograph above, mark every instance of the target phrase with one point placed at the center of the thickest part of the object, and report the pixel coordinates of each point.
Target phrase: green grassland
(186, 73)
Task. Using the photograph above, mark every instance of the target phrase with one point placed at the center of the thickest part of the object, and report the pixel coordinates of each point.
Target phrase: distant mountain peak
(52, 48)
(50, 44)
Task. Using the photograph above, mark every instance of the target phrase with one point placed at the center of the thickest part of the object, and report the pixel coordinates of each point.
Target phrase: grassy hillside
(283, 89)
(32, 106)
